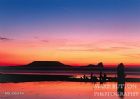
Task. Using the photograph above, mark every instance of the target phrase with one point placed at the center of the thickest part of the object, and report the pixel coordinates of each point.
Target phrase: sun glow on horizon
(74, 32)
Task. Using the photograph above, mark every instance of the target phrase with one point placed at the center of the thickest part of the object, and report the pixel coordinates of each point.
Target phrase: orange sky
(74, 53)
(77, 32)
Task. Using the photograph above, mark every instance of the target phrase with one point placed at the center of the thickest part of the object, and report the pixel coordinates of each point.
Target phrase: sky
(74, 32)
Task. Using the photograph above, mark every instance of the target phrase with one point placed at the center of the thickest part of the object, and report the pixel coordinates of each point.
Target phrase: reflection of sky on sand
(62, 90)
(76, 74)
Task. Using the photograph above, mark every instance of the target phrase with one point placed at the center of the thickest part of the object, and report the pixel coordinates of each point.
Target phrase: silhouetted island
(36, 70)
(54, 65)
(47, 64)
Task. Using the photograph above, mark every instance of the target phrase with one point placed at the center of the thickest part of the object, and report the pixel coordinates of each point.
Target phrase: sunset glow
(75, 32)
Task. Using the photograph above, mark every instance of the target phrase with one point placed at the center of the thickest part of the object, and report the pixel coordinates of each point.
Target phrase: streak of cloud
(4, 39)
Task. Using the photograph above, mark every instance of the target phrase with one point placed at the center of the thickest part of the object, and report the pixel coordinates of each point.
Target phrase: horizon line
(71, 64)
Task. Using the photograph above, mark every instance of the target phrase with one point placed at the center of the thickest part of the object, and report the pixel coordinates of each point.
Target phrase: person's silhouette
(101, 67)
(121, 80)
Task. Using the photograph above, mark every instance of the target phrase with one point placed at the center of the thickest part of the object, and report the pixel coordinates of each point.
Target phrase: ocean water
(67, 90)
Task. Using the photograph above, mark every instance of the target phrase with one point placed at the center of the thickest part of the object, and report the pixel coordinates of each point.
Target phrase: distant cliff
(47, 64)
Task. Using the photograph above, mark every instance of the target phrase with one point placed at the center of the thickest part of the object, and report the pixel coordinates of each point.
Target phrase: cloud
(4, 39)
(54, 42)
(95, 49)
(116, 48)
(132, 55)
(46, 41)
(131, 43)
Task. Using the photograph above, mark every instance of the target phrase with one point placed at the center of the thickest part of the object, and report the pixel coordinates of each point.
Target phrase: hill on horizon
(58, 64)
(46, 64)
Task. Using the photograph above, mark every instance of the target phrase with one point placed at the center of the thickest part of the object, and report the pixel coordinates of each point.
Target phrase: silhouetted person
(94, 79)
(84, 77)
(91, 76)
(101, 67)
(104, 77)
(121, 72)
(121, 80)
